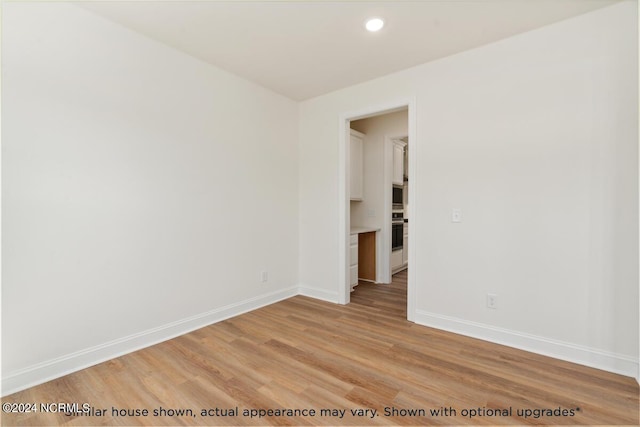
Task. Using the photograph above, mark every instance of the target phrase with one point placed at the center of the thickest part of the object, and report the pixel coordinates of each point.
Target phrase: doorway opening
(375, 199)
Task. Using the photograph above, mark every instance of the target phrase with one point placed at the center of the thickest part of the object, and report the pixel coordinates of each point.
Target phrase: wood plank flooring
(303, 354)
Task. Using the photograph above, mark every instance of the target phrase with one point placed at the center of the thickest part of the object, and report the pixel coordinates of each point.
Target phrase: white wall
(143, 192)
(535, 139)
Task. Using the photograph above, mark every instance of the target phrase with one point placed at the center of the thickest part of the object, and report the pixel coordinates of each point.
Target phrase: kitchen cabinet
(353, 269)
(396, 260)
(405, 244)
(356, 165)
(398, 162)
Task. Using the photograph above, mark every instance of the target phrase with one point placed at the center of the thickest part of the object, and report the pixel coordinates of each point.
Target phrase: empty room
(320, 212)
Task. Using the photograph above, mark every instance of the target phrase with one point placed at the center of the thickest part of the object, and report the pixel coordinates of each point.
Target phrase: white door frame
(344, 209)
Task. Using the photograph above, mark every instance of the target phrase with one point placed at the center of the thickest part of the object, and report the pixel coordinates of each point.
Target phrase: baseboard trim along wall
(55, 368)
(316, 293)
(611, 362)
(37, 374)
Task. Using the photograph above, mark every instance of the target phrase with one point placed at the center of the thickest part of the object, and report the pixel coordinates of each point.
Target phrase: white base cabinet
(396, 260)
(405, 244)
(353, 250)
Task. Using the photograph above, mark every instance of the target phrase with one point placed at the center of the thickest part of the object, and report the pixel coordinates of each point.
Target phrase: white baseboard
(316, 293)
(616, 363)
(37, 374)
(55, 368)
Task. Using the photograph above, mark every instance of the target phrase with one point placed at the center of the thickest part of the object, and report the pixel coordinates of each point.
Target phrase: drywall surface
(144, 192)
(534, 138)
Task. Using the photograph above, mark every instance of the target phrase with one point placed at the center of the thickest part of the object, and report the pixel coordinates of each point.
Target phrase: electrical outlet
(264, 276)
(492, 301)
(456, 215)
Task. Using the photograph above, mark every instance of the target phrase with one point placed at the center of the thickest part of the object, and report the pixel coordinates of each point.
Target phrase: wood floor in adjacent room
(303, 354)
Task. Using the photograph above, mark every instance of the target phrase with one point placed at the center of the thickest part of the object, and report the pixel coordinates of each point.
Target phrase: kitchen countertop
(359, 230)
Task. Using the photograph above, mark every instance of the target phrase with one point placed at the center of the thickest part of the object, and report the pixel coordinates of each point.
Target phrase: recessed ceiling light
(374, 24)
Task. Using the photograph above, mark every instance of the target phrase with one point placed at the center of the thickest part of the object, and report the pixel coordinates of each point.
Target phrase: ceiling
(302, 49)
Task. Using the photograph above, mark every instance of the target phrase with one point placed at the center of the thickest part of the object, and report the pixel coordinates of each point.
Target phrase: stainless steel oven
(397, 197)
(397, 230)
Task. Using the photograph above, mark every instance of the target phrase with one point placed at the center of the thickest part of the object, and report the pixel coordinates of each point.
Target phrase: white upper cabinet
(398, 162)
(356, 165)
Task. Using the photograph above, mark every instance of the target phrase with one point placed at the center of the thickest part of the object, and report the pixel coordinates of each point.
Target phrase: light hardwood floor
(308, 354)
